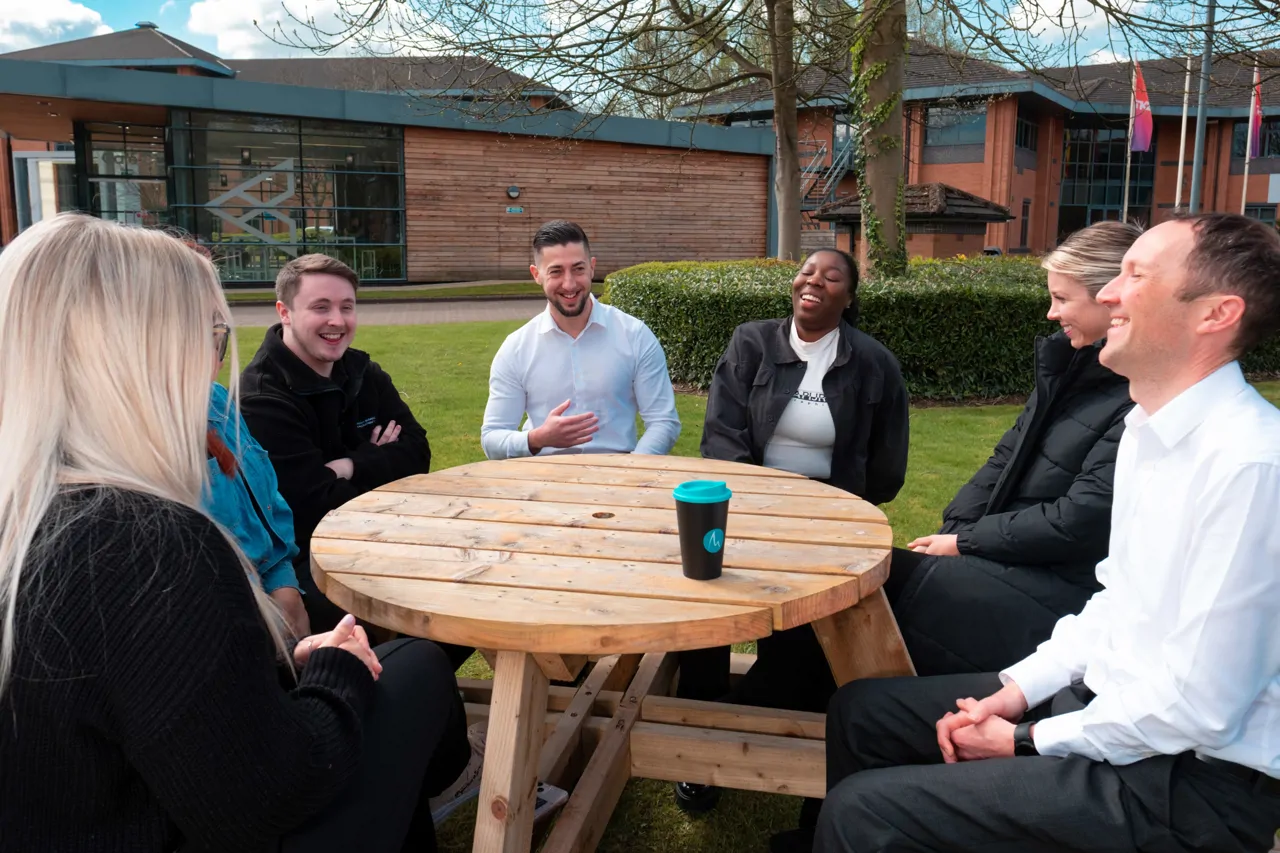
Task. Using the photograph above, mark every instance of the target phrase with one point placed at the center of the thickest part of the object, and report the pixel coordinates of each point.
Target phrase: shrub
(959, 328)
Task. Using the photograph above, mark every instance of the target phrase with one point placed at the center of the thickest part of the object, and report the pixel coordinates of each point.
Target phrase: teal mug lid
(702, 492)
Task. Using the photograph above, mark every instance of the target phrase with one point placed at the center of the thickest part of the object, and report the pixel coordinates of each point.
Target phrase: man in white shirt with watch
(1150, 721)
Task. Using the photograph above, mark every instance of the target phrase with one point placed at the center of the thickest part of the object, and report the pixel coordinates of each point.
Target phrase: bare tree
(619, 57)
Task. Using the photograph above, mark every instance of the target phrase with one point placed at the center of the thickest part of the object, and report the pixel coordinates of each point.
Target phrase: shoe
(467, 785)
(696, 799)
(792, 841)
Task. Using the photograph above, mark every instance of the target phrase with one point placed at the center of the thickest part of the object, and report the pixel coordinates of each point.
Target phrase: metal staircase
(819, 179)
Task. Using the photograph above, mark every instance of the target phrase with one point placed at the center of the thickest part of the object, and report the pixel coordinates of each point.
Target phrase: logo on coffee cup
(714, 540)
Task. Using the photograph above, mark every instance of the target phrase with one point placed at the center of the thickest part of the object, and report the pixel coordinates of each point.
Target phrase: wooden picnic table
(550, 561)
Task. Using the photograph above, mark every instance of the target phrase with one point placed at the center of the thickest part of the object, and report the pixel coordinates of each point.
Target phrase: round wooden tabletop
(579, 554)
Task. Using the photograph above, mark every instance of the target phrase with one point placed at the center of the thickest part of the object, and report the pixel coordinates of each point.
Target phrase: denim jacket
(264, 531)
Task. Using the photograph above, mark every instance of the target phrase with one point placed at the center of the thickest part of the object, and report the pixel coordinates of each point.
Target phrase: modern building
(408, 169)
(1049, 147)
(437, 169)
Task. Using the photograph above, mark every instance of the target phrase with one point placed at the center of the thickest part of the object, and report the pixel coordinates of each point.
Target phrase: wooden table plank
(795, 598)
(598, 544)
(700, 469)
(537, 621)
(598, 515)
(835, 506)
(601, 475)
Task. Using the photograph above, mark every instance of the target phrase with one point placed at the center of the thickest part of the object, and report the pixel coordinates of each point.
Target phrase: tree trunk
(879, 60)
(786, 178)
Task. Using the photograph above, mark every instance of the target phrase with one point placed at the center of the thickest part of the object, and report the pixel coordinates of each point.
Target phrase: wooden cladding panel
(637, 203)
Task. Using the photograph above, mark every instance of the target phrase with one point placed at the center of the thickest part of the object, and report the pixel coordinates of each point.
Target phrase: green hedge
(959, 328)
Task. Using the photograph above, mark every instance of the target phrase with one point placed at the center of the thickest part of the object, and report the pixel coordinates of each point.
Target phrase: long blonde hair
(106, 350)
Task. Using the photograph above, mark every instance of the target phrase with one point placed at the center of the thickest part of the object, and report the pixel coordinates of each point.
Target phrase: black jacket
(304, 420)
(760, 372)
(1044, 496)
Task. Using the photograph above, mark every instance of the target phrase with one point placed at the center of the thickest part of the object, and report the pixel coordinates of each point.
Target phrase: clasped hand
(347, 636)
(981, 728)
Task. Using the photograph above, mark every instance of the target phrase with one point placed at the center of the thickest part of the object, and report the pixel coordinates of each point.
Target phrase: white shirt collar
(1177, 418)
(599, 317)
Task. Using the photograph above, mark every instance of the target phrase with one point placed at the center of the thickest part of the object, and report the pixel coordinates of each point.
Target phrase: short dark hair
(289, 279)
(850, 314)
(1240, 256)
(559, 232)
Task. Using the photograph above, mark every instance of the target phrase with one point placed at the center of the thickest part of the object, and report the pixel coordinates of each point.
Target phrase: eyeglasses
(221, 339)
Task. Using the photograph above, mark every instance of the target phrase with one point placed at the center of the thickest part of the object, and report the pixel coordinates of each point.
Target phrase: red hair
(218, 450)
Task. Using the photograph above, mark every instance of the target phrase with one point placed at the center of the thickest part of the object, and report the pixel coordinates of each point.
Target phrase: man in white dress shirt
(581, 371)
(1151, 721)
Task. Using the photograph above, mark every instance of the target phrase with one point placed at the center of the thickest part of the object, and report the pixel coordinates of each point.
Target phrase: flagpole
(1248, 139)
(1182, 141)
(1128, 148)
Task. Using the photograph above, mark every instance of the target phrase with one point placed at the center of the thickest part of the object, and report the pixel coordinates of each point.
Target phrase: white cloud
(167, 5)
(244, 29)
(25, 24)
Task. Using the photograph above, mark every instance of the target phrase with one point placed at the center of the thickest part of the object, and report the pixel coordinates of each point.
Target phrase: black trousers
(415, 745)
(888, 789)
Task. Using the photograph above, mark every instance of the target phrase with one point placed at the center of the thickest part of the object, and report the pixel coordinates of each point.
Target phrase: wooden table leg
(591, 805)
(864, 641)
(517, 717)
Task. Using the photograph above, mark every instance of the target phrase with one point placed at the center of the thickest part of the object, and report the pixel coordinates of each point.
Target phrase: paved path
(375, 313)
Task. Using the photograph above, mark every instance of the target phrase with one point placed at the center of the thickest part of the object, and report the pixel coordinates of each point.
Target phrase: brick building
(1050, 147)
(431, 169)
(408, 169)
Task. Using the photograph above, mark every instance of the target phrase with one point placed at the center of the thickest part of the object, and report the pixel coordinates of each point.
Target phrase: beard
(583, 302)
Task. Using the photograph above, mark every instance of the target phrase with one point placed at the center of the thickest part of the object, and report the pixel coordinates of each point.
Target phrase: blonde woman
(140, 662)
(1019, 542)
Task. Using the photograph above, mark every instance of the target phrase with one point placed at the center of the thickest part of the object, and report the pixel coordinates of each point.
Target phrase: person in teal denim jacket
(246, 501)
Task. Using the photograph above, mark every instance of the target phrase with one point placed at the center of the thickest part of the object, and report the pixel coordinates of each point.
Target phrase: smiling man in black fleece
(329, 416)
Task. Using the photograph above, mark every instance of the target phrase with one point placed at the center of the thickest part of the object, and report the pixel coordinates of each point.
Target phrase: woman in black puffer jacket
(1020, 541)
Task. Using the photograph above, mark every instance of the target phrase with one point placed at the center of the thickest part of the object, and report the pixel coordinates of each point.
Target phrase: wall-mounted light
(246, 156)
(351, 160)
(513, 192)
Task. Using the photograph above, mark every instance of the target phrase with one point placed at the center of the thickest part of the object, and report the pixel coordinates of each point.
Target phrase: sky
(223, 27)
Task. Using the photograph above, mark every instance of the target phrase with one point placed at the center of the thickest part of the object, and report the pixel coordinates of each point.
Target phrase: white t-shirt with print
(806, 433)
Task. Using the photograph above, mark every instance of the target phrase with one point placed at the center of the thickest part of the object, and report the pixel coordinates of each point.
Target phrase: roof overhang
(192, 62)
(966, 90)
(50, 80)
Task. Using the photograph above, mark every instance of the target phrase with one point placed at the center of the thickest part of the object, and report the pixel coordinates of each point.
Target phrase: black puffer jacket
(1044, 496)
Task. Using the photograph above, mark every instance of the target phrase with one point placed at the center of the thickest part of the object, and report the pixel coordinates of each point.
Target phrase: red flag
(1141, 140)
(1255, 118)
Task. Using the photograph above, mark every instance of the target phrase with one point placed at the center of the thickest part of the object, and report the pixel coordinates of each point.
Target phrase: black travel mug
(702, 513)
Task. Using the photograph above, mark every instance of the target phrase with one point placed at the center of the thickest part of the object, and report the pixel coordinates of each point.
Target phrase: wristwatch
(1023, 743)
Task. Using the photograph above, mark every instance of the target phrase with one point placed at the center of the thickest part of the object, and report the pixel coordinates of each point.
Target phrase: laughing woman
(813, 395)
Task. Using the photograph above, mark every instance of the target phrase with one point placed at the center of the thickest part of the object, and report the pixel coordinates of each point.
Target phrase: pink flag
(1141, 140)
(1255, 118)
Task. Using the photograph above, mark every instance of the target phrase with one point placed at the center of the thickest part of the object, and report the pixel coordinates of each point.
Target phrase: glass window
(263, 190)
(1093, 172)
(1026, 222)
(1264, 212)
(1270, 138)
(955, 125)
(1026, 134)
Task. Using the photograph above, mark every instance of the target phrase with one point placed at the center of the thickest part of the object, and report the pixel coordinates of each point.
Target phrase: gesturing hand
(560, 431)
(937, 545)
(347, 636)
(385, 436)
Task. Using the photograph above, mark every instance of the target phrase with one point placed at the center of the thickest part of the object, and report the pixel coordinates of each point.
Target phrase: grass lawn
(506, 288)
(442, 370)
